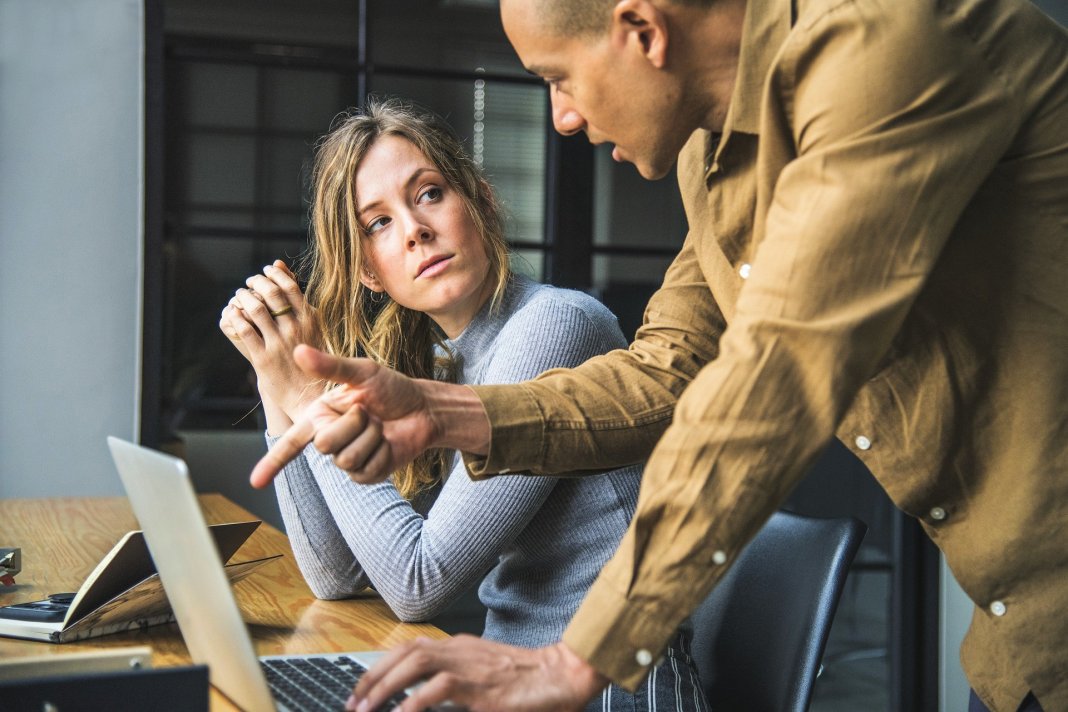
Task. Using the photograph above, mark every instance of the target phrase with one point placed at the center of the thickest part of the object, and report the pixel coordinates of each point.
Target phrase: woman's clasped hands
(265, 321)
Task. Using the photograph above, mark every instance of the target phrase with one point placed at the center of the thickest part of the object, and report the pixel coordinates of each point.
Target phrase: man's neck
(709, 43)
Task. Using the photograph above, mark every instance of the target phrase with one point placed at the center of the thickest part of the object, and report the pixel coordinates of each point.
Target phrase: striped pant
(1029, 704)
(672, 686)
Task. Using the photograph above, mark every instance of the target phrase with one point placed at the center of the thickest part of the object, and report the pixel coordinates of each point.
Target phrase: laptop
(165, 504)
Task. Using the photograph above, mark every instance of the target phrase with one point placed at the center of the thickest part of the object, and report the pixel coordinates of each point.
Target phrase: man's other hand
(479, 675)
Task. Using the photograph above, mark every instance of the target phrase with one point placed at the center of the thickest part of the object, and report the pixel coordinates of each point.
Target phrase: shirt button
(744, 270)
(863, 443)
(997, 608)
(938, 514)
(643, 657)
(719, 558)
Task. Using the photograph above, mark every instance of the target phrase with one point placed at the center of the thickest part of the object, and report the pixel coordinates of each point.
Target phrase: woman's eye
(430, 195)
(376, 225)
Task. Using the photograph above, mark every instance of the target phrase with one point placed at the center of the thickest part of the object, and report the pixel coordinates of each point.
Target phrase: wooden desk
(62, 540)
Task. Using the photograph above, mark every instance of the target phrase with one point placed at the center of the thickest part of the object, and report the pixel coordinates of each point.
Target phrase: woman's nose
(419, 233)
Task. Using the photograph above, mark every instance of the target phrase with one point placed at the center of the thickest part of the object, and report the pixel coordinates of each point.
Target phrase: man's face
(604, 87)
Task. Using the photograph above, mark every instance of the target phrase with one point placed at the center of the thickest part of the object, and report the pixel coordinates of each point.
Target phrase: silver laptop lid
(162, 497)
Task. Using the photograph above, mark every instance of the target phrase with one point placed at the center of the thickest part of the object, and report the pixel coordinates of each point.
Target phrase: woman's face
(421, 246)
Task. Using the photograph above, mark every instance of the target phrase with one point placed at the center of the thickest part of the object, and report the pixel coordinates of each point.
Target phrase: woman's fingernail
(268, 267)
(364, 706)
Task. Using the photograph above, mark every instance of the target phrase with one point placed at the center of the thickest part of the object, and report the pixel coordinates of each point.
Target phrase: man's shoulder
(870, 15)
(808, 13)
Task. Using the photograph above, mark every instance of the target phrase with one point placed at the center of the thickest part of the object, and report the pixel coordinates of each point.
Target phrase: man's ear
(641, 24)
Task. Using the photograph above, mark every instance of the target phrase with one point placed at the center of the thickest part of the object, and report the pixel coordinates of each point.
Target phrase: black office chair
(760, 634)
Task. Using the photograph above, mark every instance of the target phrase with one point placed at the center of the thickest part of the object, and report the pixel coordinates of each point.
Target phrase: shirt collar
(766, 25)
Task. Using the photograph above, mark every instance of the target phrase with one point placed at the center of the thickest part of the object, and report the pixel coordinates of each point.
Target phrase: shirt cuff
(623, 639)
(517, 432)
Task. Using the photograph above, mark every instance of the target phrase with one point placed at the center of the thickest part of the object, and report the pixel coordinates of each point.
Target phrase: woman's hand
(265, 322)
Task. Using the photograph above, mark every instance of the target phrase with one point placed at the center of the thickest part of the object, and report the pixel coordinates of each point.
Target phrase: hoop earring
(377, 297)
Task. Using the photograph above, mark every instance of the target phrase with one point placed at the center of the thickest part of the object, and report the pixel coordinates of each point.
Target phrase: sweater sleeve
(325, 560)
(345, 535)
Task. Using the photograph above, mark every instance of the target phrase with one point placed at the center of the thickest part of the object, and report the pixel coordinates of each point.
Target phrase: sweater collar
(475, 341)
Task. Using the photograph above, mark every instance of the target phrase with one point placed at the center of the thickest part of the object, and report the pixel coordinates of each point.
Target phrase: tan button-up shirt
(884, 227)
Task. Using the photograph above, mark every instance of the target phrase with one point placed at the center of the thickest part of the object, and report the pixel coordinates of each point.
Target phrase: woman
(410, 268)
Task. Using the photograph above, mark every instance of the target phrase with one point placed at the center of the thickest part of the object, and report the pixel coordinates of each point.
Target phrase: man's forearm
(460, 420)
(611, 410)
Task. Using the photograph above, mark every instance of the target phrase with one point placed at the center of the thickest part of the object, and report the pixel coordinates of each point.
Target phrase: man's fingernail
(350, 704)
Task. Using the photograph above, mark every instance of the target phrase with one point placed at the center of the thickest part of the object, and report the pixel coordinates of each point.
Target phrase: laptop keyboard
(313, 684)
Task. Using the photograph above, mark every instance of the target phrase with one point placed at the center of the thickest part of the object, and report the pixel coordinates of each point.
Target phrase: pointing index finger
(291, 444)
(350, 371)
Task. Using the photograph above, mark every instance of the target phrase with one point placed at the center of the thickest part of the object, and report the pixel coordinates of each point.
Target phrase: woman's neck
(454, 323)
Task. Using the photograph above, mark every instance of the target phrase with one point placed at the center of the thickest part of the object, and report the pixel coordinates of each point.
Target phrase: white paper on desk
(142, 605)
(129, 563)
(124, 593)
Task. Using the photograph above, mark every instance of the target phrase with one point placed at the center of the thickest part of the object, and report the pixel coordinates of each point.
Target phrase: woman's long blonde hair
(352, 319)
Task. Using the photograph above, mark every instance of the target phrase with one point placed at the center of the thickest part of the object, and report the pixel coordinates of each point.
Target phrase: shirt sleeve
(896, 119)
(611, 410)
(420, 565)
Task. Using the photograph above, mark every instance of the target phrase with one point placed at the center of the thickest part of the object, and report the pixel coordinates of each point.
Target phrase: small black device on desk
(171, 689)
(54, 608)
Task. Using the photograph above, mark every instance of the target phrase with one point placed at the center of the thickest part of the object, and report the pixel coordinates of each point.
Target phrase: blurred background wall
(70, 241)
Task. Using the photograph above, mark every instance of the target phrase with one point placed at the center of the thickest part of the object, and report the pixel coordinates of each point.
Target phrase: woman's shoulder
(540, 302)
(542, 327)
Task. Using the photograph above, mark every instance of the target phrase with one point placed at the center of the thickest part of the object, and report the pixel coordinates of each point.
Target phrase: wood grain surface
(63, 539)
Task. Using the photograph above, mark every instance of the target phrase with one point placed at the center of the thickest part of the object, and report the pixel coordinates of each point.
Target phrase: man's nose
(566, 119)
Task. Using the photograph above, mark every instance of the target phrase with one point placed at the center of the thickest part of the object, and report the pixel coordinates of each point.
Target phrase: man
(877, 195)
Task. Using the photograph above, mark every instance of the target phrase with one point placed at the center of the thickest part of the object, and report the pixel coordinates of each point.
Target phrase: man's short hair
(575, 18)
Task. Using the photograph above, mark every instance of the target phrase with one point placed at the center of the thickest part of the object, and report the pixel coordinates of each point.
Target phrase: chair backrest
(760, 634)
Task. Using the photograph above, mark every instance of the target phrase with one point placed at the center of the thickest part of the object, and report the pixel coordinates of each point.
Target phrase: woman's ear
(641, 24)
(370, 281)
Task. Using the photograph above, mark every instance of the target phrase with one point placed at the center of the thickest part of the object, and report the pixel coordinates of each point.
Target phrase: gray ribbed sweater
(543, 540)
